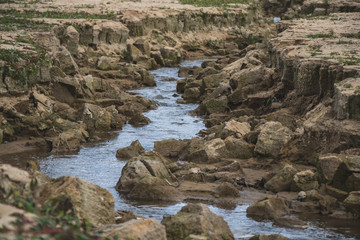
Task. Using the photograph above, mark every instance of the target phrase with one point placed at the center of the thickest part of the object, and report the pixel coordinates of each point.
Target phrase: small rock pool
(96, 163)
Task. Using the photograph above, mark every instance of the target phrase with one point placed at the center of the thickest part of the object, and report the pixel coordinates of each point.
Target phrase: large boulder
(147, 178)
(304, 181)
(140, 229)
(329, 164)
(71, 40)
(201, 151)
(239, 148)
(352, 203)
(170, 55)
(85, 200)
(138, 120)
(346, 176)
(135, 149)
(347, 99)
(282, 179)
(14, 180)
(65, 61)
(236, 128)
(273, 136)
(96, 117)
(269, 208)
(196, 219)
(171, 147)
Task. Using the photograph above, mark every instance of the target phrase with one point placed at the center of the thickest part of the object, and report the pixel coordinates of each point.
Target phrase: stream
(96, 163)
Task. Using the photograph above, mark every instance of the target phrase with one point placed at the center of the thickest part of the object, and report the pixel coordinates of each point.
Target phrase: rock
(214, 80)
(171, 147)
(71, 37)
(227, 190)
(352, 203)
(192, 95)
(269, 208)
(96, 118)
(282, 179)
(147, 178)
(158, 58)
(336, 193)
(85, 200)
(273, 136)
(196, 219)
(140, 229)
(200, 151)
(214, 105)
(347, 98)
(328, 164)
(69, 140)
(124, 216)
(143, 46)
(269, 237)
(170, 55)
(304, 181)
(108, 63)
(346, 177)
(138, 119)
(65, 61)
(135, 149)
(13, 179)
(235, 128)
(238, 148)
(135, 54)
(1, 136)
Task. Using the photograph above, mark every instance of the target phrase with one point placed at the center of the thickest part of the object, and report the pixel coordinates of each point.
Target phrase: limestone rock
(352, 202)
(72, 37)
(273, 136)
(269, 208)
(192, 95)
(269, 237)
(13, 179)
(196, 219)
(235, 128)
(86, 200)
(206, 151)
(170, 147)
(170, 55)
(134, 150)
(143, 46)
(346, 177)
(282, 179)
(146, 177)
(304, 181)
(238, 148)
(140, 229)
(329, 164)
(227, 190)
(214, 80)
(347, 99)
(69, 140)
(108, 63)
(96, 118)
(65, 61)
(139, 120)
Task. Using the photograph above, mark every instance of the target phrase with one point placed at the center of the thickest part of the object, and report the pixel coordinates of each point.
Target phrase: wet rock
(273, 136)
(329, 164)
(140, 229)
(196, 219)
(352, 203)
(227, 190)
(269, 208)
(235, 128)
(269, 237)
(192, 95)
(282, 179)
(239, 148)
(13, 179)
(138, 119)
(85, 200)
(304, 181)
(65, 61)
(146, 177)
(171, 147)
(135, 149)
(69, 140)
(108, 63)
(170, 55)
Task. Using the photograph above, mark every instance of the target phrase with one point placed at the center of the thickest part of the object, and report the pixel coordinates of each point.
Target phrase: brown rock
(135, 149)
(269, 237)
(352, 203)
(269, 208)
(282, 179)
(170, 147)
(233, 127)
(138, 119)
(227, 190)
(329, 164)
(304, 181)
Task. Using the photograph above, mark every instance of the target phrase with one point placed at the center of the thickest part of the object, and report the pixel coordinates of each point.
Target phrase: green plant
(213, 3)
(321, 35)
(347, 85)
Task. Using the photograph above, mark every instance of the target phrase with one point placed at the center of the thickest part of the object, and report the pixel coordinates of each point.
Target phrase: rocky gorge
(280, 103)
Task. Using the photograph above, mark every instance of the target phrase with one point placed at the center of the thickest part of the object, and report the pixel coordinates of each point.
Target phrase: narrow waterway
(97, 163)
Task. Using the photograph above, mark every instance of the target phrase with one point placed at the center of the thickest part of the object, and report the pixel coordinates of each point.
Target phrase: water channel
(97, 163)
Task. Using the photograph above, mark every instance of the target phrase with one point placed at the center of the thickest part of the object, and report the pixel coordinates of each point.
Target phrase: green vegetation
(347, 85)
(319, 173)
(213, 3)
(344, 42)
(321, 35)
(351, 35)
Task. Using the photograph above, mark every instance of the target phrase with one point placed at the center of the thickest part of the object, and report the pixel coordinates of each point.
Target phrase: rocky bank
(280, 103)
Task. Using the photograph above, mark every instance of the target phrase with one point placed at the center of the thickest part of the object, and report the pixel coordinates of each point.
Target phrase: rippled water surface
(97, 163)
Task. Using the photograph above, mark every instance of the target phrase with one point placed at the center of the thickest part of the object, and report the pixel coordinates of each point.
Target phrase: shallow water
(97, 163)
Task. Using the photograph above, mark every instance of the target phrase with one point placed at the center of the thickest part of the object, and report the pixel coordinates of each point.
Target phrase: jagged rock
(214, 80)
(328, 164)
(140, 229)
(285, 118)
(143, 46)
(13, 179)
(200, 151)
(352, 202)
(86, 200)
(104, 31)
(282, 179)
(170, 55)
(273, 136)
(156, 55)
(238, 148)
(135, 149)
(235, 128)
(71, 40)
(346, 176)
(304, 181)
(227, 190)
(147, 178)
(269, 208)
(196, 219)
(65, 61)
(347, 99)
(108, 63)
(269, 237)
(171, 147)
(96, 118)
(69, 140)
(138, 119)
(192, 95)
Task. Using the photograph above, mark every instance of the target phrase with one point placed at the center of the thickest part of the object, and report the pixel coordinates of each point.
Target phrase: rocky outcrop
(196, 219)
(83, 199)
(269, 208)
(13, 180)
(135, 149)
